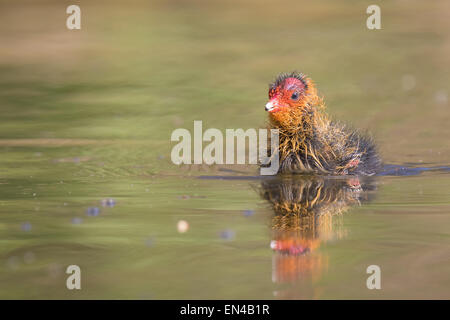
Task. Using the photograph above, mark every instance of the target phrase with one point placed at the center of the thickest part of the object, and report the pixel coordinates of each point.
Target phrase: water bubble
(77, 220)
(26, 226)
(182, 226)
(227, 234)
(108, 202)
(248, 213)
(93, 211)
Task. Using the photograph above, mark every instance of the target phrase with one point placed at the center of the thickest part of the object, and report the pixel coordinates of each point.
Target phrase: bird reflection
(307, 213)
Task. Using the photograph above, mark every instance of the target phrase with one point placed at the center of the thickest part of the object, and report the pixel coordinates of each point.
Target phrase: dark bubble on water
(227, 234)
(93, 211)
(26, 226)
(248, 213)
(108, 202)
(77, 220)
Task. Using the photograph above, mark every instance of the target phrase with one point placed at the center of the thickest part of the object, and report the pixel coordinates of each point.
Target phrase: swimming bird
(309, 141)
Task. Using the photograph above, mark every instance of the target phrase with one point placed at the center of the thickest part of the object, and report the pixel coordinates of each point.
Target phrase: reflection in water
(307, 213)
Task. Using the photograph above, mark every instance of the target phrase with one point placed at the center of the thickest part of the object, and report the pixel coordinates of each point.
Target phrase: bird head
(288, 93)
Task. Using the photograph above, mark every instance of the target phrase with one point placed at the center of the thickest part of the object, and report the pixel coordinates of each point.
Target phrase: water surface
(86, 176)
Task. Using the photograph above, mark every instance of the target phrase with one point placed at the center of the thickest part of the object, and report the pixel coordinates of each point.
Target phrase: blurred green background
(86, 115)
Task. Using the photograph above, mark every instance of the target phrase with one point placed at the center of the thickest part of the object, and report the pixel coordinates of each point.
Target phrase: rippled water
(86, 176)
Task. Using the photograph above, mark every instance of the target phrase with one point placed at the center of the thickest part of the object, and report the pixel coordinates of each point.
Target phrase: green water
(87, 116)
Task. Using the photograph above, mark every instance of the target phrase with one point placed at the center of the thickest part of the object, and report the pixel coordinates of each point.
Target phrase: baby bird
(309, 142)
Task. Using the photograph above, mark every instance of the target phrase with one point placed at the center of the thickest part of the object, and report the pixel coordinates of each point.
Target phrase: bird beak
(269, 106)
(272, 106)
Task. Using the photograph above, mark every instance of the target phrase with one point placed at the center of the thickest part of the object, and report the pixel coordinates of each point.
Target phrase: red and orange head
(290, 92)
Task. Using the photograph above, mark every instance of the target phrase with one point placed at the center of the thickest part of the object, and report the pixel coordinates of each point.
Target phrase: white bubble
(182, 226)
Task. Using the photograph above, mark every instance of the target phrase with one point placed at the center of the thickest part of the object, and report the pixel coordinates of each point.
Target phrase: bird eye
(294, 96)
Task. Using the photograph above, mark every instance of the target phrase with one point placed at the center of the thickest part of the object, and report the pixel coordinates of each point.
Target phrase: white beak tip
(269, 106)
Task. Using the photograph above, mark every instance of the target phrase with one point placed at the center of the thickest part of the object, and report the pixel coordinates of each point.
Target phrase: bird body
(309, 142)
